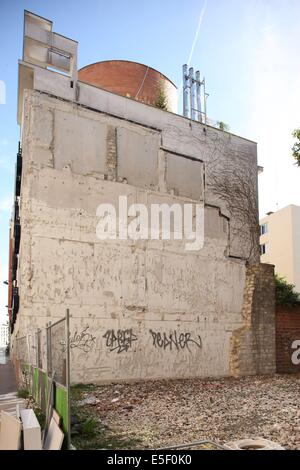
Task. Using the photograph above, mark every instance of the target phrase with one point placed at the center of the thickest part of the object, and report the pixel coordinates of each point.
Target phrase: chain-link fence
(32, 354)
(22, 349)
(56, 351)
(22, 362)
(44, 355)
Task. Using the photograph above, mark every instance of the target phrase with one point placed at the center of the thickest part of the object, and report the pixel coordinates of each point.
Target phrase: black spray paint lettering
(120, 341)
(174, 340)
(83, 340)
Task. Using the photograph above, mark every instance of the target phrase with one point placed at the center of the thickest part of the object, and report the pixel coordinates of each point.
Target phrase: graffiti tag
(174, 340)
(121, 340)
(83, 340)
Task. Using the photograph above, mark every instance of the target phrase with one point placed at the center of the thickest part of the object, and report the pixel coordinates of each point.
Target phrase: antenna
(185, 91)
(193, 105)
(206, 95)
(192, 94)
(198, 94)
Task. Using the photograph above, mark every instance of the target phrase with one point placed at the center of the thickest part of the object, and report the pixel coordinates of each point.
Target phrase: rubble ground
(162, 413)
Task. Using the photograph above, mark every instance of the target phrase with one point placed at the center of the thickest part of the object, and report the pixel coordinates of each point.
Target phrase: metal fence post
(28, 349)
(68, 376)
(36, 348)
(47, 352)
(50, 350)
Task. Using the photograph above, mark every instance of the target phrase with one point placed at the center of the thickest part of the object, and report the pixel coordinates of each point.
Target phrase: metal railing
(56, 350)
(42, 355)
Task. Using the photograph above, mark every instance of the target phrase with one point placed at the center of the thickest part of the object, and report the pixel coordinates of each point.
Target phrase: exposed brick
(287, 331)
(129, 79)
(253, 345)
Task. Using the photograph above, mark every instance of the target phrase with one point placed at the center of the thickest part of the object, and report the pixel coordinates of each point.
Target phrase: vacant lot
(160, 413)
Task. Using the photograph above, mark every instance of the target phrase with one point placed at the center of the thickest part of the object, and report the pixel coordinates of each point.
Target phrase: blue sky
(248, 51)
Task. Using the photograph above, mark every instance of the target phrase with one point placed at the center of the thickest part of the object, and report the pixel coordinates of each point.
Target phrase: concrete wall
(144, 309)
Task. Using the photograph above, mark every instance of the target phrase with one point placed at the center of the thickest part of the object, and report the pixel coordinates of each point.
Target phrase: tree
(296, 146)
(285, 293)
(161, 99)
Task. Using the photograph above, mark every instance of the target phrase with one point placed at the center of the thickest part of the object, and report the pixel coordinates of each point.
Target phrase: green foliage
(296, 146)
(23, 393)
(40, 417)
(161, 99)
(78, 390)
(89, 427)
(284, 292)
(223, 126)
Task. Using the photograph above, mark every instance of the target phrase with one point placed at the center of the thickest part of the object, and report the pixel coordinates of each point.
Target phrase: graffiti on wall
(122, 340)
(119, 341)
(174, 341)
(83, 340)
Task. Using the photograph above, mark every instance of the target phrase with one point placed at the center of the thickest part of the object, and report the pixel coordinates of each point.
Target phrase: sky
(248, 51)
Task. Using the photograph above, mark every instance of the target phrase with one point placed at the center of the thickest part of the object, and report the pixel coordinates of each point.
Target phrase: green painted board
(60, 400)
(61, 405)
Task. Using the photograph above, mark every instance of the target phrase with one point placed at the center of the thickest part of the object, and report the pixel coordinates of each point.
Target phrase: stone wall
(253, 345)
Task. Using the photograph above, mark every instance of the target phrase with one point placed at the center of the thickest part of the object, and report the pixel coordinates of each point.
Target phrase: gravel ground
(161, 413)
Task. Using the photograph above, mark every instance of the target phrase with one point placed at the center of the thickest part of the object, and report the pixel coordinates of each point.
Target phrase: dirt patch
(162, 413)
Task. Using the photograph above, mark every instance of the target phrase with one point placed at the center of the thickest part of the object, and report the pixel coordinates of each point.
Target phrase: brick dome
(131, 79)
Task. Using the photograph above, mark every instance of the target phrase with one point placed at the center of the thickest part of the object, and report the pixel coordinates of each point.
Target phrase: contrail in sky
(197, 31)
(195, 38)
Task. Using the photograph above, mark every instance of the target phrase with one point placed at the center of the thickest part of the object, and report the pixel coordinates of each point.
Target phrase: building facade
(4, 335)
(140, 308)
(280, 242)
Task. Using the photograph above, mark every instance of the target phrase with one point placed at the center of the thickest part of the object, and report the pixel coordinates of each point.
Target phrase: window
(264, 229)
(263, 248)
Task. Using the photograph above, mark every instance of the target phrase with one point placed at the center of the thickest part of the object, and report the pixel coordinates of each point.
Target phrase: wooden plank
(56, 417)
(54, 438)
(49, 406)
(31, 430)
(10, 432)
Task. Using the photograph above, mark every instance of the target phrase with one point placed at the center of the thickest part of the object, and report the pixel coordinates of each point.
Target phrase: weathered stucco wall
(126, 298)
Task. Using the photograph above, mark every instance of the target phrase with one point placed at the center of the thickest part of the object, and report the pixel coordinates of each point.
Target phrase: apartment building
(280, 242)
(4, 335)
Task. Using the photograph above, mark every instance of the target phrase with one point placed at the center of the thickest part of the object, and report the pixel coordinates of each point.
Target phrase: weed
(23, 393)
(89, 427)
